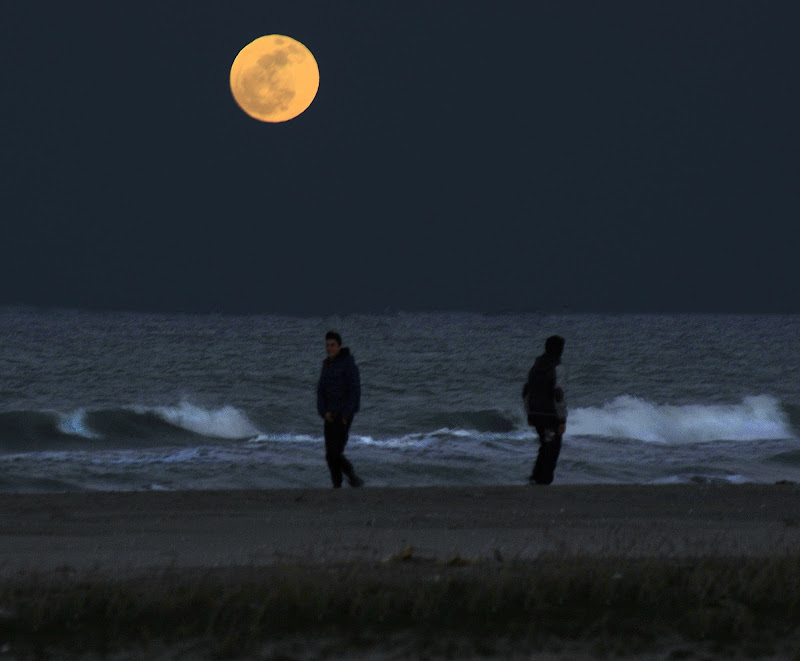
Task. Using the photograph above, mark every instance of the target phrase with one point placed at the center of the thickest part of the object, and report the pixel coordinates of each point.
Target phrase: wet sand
(135, 531)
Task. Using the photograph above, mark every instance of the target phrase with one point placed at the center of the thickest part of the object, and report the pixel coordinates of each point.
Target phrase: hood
(554, 346)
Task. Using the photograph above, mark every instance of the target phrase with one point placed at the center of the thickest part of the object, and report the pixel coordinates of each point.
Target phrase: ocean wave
(489, 420)
(227, 422)
(262, 439)
(754, 418)
(122, 427)
(629, 418)
(701, 479)
(790, 458)
(19, 429)
(794, 415)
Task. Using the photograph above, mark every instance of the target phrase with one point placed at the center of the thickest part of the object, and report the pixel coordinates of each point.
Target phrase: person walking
(545, 400)
(338, 400)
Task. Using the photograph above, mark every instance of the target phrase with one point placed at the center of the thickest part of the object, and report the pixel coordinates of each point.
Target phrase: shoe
(356, 481)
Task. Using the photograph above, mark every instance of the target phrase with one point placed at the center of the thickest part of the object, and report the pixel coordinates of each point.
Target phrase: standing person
(546, 405)
(338, 400)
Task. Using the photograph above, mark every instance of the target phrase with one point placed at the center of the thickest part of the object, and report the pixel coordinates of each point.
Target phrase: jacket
(544, 393)
(339, 386)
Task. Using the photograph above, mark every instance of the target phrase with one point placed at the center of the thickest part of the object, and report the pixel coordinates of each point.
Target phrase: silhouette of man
(338, 400)
(546, 405)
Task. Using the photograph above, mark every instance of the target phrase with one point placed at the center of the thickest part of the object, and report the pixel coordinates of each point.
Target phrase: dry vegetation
(616, 605)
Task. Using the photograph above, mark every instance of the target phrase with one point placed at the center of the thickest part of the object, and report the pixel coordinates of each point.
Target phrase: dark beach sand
(467, 534)
(141, 530)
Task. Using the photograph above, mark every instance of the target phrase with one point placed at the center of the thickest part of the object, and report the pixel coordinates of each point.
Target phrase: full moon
(274, 78)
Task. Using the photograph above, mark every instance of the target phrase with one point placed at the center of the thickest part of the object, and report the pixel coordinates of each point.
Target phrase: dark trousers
(549, 449)
(335, 439)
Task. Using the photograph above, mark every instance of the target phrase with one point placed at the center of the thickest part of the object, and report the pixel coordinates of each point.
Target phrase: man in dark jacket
(546, 405)
(338, 400)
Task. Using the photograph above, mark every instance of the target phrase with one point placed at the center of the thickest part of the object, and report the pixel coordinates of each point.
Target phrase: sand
(135, 531)
(157, 535)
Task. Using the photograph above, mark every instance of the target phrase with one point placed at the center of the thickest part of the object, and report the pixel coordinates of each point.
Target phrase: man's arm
(353, 394)
(560, 397)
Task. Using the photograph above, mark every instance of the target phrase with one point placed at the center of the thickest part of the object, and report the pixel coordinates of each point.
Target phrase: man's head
(333, 343)
(554, 346)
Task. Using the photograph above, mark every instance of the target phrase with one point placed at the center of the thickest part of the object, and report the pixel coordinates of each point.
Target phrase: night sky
(584, 156)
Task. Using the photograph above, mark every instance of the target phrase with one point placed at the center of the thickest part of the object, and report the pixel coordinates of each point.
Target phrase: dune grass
(615, 604)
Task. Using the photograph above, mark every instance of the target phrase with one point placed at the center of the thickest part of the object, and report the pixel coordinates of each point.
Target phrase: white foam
(74, 424)
(682, 479)
(283, 438)
(226, 422)
(403, 442)
(755, 418)
(134, 457)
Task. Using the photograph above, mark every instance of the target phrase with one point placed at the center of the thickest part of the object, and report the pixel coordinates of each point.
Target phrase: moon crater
(274, 78)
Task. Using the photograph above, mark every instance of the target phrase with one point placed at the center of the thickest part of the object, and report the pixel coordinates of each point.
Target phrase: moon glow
(274, 78)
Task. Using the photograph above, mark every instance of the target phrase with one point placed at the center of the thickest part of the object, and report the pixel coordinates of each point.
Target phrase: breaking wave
(121, 427)
(754, 418)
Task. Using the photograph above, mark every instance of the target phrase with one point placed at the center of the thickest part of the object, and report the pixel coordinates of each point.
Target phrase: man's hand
(562, 428)
(329, 417)
(344, 421)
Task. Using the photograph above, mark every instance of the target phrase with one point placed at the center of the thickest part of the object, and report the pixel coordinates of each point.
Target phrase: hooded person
(544, 396)
(338, 400)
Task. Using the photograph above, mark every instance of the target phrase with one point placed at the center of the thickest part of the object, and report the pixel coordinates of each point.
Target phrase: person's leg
(536, 470)
(347, 467)
(534, 422)
(549, 449)
(333, 451)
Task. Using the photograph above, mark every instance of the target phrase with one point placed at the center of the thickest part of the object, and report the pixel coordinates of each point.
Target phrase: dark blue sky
(603, 156)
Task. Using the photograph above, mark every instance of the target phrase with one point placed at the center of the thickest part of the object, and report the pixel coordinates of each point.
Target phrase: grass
(615, 604)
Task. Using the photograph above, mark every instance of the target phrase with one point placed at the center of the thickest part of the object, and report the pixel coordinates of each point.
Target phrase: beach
(131, 531)
(400, 564)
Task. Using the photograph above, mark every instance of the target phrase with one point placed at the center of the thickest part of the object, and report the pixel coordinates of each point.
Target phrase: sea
(113, 401)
